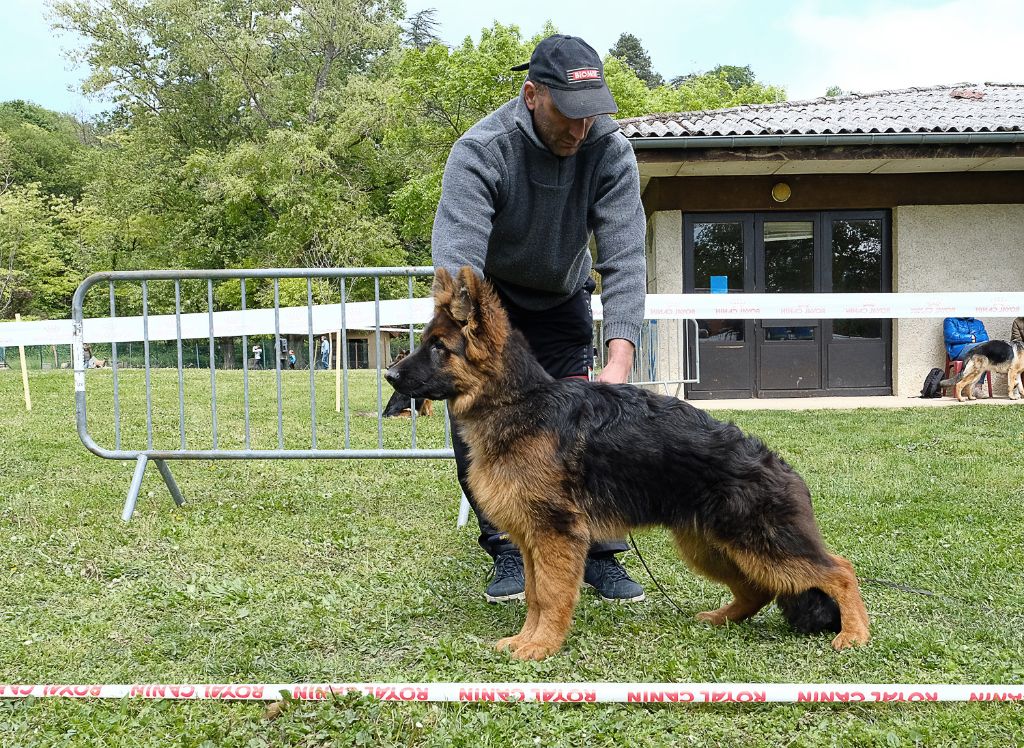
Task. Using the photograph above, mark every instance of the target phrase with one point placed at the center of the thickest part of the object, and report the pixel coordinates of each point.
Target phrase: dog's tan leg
(972, 374)
(747, 600)
(557, 574)
(960, 386)
(1012, 381)
(532, 606)
(714, 564)
(840, 583)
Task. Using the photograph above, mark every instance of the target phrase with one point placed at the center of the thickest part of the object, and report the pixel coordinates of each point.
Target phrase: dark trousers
(562, 340)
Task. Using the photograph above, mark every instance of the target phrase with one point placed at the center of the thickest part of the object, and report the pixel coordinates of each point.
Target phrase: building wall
(935, 248)
(951, 248)
(664, 275)
(665, 252)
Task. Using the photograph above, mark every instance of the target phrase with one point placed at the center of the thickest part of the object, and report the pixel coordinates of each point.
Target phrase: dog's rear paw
(847, 639)
(714, 617)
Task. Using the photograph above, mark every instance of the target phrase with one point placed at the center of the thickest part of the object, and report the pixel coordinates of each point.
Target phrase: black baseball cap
(573, 72)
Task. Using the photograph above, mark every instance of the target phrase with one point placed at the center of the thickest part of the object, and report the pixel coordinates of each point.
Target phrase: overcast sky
(804, 47)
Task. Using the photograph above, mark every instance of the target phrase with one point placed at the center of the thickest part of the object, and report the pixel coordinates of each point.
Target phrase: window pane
(857, 268)
(718, 252)
(789, 256)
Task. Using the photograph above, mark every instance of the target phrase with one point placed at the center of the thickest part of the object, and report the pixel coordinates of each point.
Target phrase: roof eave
(770, 141)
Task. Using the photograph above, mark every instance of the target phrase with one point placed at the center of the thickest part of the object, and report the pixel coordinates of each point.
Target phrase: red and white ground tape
(570, 693)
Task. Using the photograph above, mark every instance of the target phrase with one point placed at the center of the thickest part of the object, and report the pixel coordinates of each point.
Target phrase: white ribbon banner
(362, 315)
(566, 693)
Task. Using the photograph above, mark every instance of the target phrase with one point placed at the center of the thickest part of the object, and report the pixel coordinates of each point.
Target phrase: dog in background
(558, 463)
(399, 405)
(993, 357)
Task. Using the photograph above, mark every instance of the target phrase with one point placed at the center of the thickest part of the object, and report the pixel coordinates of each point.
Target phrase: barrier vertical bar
(376, 328)
(412, 346)
(336, 340)
(145, 358)
(312, 361)
(344, 359)
(278, 352)
(213, 363)
(245, 371)
(181, 366)
(113, 366)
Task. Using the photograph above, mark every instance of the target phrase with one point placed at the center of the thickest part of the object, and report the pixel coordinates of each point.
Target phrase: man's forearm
(620, 362)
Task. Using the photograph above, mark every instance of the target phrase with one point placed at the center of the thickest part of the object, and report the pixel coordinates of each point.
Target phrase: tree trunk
(227, 351)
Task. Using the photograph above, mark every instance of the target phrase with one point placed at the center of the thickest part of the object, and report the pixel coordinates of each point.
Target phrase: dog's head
(462, 345)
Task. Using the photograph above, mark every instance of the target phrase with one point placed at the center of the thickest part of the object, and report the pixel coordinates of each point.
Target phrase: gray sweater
(522, 216)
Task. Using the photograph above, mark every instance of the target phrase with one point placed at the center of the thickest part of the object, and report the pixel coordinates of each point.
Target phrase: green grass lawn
(294, 571)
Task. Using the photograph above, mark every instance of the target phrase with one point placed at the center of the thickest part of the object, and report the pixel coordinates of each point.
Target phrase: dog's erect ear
(467, 295)
(443, 291)
(443, 282)
(457, 297)
(471, 303)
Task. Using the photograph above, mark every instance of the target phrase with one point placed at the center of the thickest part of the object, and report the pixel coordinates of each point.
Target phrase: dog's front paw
(533, 651)
(509, 643)
(847, 639)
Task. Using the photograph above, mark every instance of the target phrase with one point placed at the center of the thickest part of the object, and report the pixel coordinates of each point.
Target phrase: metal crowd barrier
(668, 354)
(339, 315)
(120, 328)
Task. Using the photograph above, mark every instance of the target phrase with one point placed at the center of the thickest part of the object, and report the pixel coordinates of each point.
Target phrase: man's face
(562, 136)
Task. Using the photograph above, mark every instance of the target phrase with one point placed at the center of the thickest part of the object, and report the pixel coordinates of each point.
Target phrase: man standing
(524, 191)
(325, 352)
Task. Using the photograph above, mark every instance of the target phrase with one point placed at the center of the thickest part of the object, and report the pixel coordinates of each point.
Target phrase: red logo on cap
(583, 74)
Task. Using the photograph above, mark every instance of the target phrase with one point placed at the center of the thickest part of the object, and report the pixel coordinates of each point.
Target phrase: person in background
(325, 352)
(1017, 330)
(961, 334)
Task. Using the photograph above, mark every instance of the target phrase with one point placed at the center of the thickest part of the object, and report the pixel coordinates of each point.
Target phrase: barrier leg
(133, 491)
(169, 480)
(463, 511)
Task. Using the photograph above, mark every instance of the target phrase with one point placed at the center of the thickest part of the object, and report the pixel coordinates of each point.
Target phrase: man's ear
(530, 95)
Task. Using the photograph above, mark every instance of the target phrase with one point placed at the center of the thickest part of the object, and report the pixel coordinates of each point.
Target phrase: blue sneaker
(509, 581)
(610, 580)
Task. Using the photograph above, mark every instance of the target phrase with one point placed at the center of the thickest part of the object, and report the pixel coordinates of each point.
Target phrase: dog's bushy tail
(810, 612)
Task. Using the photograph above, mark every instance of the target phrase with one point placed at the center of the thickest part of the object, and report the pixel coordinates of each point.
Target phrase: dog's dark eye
(437, 345)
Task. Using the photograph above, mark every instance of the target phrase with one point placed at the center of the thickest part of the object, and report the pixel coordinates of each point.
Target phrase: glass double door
(789, 253)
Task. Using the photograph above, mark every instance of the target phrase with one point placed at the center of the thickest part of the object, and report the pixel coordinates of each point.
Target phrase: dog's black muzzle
(394, 377)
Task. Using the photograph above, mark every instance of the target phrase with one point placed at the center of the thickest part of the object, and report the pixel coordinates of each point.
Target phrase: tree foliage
(630, 50)
(262, 133)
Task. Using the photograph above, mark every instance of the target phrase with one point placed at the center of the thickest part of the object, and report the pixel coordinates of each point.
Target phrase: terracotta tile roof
(964, 108)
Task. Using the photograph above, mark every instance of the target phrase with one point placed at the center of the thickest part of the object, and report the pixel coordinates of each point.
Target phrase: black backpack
(931, 386)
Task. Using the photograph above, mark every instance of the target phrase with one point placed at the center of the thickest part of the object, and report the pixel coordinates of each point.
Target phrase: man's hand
(620, 362)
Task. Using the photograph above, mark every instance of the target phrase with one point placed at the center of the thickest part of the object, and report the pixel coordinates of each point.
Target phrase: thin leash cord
(654, 579)
(866, 580)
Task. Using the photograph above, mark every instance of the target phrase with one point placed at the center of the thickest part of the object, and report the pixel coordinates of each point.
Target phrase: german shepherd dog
(558, 463)
(994, 357)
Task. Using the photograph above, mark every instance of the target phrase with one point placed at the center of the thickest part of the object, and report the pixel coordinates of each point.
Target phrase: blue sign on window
(719, 284)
